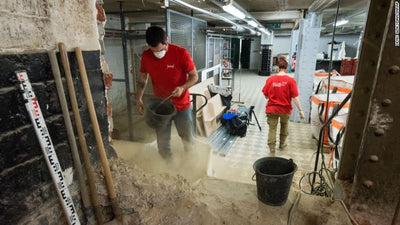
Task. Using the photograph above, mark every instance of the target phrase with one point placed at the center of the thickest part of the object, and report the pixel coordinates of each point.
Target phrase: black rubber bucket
(157, 115)
(274, 177)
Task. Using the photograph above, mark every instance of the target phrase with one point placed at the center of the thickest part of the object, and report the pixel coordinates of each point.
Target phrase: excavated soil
(180, 192)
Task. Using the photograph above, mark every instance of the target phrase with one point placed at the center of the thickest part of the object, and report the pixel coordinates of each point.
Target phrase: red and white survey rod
(49, 153)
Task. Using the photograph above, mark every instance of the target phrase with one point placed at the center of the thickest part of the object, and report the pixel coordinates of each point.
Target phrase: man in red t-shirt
(280, 89)
(172, 72)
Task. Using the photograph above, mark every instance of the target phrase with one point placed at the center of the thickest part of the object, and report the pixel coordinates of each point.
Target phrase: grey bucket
(274, 177)
(158, 115)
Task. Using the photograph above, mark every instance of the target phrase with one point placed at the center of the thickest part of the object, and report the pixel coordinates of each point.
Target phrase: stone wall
(34, 25)
(30, 29)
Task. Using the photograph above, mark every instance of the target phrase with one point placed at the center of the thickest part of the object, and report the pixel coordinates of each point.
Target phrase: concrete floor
(237, 165)
(235, 169)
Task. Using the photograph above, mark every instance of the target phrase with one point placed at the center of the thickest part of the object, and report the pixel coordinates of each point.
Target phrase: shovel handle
(164, 100)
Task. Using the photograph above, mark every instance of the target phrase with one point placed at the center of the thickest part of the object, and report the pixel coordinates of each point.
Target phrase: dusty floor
(152, 191)
(147, 198)
(204, 188)
(192, 165)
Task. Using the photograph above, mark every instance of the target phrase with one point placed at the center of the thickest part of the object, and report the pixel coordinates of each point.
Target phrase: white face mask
(160, 54)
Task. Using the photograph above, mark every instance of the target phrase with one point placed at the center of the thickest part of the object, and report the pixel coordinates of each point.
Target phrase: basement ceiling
(281, 16)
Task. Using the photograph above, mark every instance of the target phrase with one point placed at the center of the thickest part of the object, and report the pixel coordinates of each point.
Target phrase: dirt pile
(171, 200)
(155, 199)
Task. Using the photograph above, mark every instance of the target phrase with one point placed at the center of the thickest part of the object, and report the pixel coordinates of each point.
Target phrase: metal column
(126, 70)
(371, 153)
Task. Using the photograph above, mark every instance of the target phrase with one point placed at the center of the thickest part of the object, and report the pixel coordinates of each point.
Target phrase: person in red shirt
(172, 72)
(279, 90)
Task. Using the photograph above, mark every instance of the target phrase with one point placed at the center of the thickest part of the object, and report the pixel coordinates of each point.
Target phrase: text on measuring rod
(33, 108)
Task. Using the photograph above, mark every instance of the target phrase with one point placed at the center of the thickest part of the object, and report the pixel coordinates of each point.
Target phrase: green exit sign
(274, 25)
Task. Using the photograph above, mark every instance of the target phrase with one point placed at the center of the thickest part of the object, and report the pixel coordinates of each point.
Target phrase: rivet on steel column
(373, 158)
(368, 183)
(379, 132)
(395, 69)
(386, 102)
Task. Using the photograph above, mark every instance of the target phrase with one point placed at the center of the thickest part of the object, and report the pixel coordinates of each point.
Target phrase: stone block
(108, 79)
(101, 16)
(37, 66)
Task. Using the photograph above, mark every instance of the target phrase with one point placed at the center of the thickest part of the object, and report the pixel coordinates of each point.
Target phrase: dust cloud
(192, 165)
(152, 191)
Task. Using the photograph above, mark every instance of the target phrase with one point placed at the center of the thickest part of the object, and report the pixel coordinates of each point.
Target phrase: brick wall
(27, 194)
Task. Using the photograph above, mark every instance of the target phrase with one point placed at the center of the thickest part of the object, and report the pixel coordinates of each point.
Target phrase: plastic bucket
(274, 177)
(157, 115)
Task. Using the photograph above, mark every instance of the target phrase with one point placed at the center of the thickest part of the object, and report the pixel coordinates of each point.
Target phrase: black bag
(226, 101)
(236, 126)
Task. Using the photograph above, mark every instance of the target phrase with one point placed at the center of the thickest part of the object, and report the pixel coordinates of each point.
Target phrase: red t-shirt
(280, 89)
(168, 73)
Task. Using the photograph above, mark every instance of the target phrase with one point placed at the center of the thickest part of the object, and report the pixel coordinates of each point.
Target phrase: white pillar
(306, 56)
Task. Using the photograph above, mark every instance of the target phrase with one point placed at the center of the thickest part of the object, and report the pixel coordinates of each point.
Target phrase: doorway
(245, 53)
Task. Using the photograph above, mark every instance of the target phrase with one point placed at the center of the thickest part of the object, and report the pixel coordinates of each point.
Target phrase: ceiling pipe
(226, 35)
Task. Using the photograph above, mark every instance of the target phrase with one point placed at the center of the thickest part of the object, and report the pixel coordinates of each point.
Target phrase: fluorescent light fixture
(234, 11)
(180, 2)
(239, 27)
(342, 22)
(252, 23)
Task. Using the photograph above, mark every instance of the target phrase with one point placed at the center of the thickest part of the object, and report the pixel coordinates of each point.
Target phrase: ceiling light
(234, 11)
(252, 23)
(206, 12)
(342, 22)
(239, 27)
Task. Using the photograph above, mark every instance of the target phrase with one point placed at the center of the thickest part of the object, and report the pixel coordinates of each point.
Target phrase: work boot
(282, 146)
(166, 155)
(271, 148)
(282, 143)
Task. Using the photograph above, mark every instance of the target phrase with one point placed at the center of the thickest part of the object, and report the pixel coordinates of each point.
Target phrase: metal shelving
(227, 75)
(265, 67)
